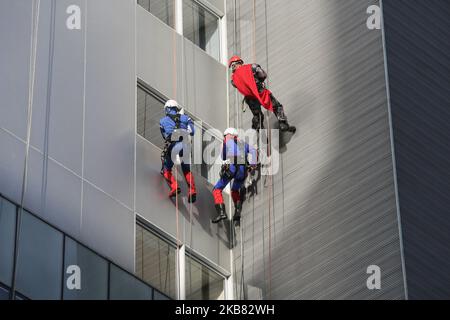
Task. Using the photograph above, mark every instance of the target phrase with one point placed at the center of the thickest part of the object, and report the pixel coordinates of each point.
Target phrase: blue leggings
(238, 173)
(168, 163)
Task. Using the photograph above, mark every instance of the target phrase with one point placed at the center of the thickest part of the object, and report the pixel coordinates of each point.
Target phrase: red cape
(244, 81)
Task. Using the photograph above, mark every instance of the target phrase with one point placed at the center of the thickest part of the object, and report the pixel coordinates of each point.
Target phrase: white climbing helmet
(170, 105)
(231, 131)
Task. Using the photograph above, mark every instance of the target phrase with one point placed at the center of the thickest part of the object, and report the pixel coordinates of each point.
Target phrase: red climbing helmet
(234, 59)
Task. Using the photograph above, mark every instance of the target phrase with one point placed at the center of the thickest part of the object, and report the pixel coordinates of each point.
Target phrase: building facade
(83, 90)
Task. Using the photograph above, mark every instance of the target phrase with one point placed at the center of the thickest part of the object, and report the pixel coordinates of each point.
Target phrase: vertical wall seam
(84, 113)
(51, 54)
(135, 134)
(394, 163)
(31, 81)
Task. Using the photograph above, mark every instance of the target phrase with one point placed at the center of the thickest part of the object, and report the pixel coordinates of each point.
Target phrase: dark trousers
(258, 116)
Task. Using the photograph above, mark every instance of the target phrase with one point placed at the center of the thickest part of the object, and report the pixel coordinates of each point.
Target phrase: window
(4, 293)
(124, 286)
(202, 283)
(159, 296)
(40, 266)
(39, 269)
(7, 237)
(94, 270)
(208, 169)
(201, 27)
(162, 9)
(155, 261)
(150, 109)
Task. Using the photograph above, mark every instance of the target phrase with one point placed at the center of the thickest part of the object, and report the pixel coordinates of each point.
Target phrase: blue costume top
(237, 152)
(168, 124)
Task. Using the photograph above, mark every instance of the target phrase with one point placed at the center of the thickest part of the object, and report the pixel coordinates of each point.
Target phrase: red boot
(192, 195)
(174, 190)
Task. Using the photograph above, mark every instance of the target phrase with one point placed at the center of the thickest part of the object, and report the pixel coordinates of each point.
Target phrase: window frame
(189, 252)
(141, 222)
(162, 98)
(110, 263)
(208, 7)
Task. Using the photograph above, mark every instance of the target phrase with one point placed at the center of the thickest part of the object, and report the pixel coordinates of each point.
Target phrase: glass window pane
(155, 261)
(208, 169)
(162, 9)
(94, 273)
(159, 296)
(39, 269)
(141, 111)
(4, 294)
(19, 296)
(150, 111)
(7, 235)
(201, 27)
(124, 286)
(202, 283)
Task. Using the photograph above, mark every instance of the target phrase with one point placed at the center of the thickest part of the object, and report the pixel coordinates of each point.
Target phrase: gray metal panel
(155, 55)
(217, 4)
(15, 35)
(333, 209)
(200, 79)
(54, 194)
(12, 158)
(418, 57)
(206, 81)
(108, 227)
(110, 98)
(59, 124)
(153, 204)
(151, 190)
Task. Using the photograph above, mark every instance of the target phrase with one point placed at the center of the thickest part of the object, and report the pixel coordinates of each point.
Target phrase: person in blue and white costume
(239, 158)
(173, 126)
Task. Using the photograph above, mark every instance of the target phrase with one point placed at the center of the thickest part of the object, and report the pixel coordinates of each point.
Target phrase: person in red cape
(249, 80)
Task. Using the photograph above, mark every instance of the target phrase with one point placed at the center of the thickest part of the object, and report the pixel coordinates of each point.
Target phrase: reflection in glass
(202, 283)
(162, 9)
(155, 261)
(124, 286)
(149, 111)
(4, 294)
(39, 269)
(201, 27)
(94, 273)
(7, 235)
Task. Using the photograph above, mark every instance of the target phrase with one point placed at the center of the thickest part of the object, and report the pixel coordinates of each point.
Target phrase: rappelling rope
(269, 153)
(31, 82)
(271, 192)
(174, 95)
(183, 48)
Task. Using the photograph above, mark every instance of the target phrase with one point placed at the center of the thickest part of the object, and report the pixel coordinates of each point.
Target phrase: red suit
(244, 80)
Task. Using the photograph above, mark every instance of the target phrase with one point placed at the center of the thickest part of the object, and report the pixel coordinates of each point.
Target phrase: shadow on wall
(328, 232)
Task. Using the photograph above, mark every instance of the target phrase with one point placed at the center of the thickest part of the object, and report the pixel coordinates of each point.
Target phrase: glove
(225, 170)
(252, 169)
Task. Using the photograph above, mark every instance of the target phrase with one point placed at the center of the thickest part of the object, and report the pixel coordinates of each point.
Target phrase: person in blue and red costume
(249, 80)
(238, 159)
(173, 126)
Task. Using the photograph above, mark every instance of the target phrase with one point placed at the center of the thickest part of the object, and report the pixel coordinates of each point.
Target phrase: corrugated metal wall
(418, 55)
(332, 206)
